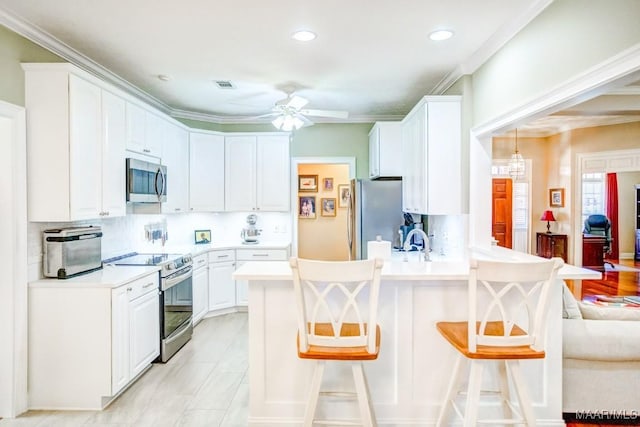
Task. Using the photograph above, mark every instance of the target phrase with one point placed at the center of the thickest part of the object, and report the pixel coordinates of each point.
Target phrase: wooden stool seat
(339, 353)
(457, 333)
(503, 297)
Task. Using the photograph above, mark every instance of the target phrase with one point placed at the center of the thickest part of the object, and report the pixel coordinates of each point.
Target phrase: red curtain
(612, 212)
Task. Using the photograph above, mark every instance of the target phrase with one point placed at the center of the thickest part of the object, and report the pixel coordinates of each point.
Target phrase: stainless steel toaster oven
(71, 251)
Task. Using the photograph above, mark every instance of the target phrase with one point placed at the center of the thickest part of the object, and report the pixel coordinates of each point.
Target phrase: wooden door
(501, 211)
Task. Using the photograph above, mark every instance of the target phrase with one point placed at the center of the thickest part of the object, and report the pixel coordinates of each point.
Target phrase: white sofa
(601, 358)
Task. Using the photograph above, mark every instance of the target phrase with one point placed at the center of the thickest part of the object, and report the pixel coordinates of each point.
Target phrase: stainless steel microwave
(146, 181)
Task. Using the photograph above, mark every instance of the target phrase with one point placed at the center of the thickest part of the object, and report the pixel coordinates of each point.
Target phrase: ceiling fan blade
(306, 120)
(326, 113)
(297, 102)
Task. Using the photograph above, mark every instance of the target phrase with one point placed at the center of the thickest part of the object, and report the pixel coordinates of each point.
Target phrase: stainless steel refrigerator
(375, 209)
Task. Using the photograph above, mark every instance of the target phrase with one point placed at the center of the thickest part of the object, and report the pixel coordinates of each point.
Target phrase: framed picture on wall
(344, 192)
(308, 183)
(327, 184)
(306, 207)
(556, 197)
(328, 207)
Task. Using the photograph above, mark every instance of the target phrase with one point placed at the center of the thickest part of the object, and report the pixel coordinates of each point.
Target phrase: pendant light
(516, 163)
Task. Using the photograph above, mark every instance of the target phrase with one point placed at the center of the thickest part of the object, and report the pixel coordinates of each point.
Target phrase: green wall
(319, 140)
(15, 49)
(565, 40)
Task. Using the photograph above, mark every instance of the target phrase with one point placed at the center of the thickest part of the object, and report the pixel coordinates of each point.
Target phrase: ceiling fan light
(287, 123)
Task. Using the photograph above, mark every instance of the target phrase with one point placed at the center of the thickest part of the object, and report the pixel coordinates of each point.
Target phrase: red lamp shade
(548, 216)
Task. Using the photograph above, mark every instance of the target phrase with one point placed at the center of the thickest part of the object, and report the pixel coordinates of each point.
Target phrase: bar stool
(337, 304)
(517, 291)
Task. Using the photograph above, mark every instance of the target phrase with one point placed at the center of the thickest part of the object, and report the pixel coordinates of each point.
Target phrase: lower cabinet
(135, 311)
(200, 287)
(222, 287)
(88, 342)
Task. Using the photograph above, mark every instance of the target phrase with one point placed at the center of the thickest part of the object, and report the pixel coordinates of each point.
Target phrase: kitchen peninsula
(409, 379)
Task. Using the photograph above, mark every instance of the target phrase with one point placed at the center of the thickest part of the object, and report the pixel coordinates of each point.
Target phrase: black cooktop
(144, 259)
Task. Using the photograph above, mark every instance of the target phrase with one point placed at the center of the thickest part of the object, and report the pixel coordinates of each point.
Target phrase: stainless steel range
(176, 297)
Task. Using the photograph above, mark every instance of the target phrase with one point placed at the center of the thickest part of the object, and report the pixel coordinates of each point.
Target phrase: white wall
(13, 252)
(564, 41)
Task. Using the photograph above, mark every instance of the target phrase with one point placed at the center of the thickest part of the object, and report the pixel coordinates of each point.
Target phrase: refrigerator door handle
(350, 225)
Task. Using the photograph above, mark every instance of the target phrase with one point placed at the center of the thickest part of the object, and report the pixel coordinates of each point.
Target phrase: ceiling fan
(290, 115)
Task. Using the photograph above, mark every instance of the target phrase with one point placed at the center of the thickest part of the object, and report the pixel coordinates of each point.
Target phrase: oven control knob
(171, 266)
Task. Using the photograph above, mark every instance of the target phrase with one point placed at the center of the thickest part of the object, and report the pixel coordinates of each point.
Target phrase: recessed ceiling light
(303, 35)
(164, 77)
(440, 35)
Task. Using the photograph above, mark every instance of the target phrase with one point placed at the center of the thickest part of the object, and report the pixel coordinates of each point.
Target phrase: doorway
(319, 220)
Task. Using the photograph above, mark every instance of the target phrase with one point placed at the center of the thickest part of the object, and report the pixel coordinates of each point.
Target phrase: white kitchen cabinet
(431, 144)
(144, 329)
(222, 287)
(135, 321)
(175, 155)
(74, 140)
(92, 343)
(206, 172)
(257, 173)
(144, 131)
(200, 287)
(113, 155)
(245, 255)
(385, 150)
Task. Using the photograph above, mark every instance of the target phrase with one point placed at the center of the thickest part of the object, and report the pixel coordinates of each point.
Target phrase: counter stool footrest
(345, 394)
(338, 422)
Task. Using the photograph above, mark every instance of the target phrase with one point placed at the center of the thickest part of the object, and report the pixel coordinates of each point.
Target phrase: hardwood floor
(204, 385)
(615, 282)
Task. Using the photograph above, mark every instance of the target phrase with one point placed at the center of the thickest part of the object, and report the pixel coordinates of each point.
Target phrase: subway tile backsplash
(127, 234)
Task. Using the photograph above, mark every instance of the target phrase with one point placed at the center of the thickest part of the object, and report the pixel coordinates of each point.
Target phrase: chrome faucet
(425, 239)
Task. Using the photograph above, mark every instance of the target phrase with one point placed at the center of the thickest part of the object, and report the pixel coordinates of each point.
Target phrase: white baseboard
(627, 255)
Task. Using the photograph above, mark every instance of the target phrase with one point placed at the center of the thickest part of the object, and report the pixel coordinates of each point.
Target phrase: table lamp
(548, 216)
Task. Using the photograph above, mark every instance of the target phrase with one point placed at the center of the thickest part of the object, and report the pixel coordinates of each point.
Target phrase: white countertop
(396, 269)
(107, 277)
(195, 250)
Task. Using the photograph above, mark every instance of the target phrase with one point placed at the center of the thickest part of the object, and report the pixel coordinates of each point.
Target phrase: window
(592, 194)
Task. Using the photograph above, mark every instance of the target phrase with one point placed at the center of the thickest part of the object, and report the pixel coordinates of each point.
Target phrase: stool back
(518, 292)
(337, 302)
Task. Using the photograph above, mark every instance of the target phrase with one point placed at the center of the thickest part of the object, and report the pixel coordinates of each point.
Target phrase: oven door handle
(172, 280)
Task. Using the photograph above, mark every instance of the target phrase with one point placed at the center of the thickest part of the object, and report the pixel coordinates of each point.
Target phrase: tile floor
(204, 384)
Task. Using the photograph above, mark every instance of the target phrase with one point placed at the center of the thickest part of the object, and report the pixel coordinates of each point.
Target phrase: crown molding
(491, 46)
(42, 38)
(213, 118)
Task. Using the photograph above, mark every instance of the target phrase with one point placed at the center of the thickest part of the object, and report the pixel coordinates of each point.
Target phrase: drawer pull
(260, 254)
(129, 289)
(223, 256)
(148, 284)
(200, 261)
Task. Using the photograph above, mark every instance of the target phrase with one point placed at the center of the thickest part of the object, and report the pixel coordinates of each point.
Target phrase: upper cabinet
(257, 172)
(75, 133)
(385, 150)
(144, 131)
(175, 155)
(431, 146)
(206, 172)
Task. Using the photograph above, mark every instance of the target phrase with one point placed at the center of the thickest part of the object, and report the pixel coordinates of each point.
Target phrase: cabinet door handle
(146, 150)
(129, 289)
(200, 261)
(178, 209)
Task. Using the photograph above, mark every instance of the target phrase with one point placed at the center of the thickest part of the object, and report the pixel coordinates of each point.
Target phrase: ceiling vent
(225, 84)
